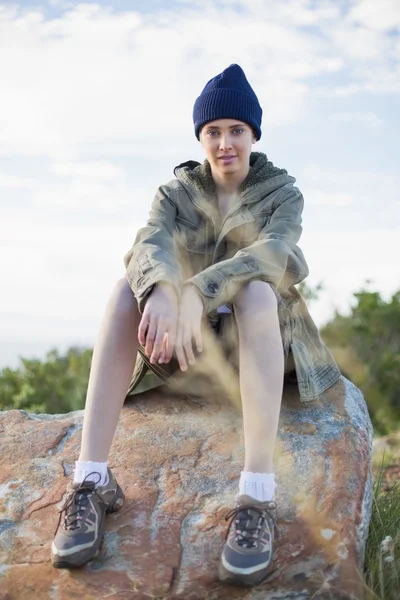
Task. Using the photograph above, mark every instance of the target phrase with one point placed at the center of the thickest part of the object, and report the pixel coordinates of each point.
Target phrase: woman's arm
(274, 257)
(151, 259)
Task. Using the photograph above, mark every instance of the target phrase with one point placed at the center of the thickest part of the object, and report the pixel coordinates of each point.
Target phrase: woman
(220, 245)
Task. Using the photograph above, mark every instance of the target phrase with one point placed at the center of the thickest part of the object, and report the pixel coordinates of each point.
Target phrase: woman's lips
(227, 160)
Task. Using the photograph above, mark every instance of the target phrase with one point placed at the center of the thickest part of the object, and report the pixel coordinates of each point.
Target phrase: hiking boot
(249, 542)
(79, 532)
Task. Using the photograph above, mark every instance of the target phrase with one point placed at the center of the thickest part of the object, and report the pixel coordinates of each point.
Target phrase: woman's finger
(144, 323)
(180, 354)
(158, 343)
(150, 337)
(171, 341)
(198, 339)
(187, 345)
(162, 360)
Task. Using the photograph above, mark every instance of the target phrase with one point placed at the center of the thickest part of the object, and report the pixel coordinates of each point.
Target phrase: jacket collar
(263, 178)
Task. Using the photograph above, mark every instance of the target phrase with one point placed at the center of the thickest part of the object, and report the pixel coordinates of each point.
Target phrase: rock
(178, 461)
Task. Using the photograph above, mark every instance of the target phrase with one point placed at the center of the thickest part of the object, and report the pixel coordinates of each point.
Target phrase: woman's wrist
(168, 288)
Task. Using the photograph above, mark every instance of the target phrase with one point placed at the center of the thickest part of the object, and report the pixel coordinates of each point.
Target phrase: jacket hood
(198, 176)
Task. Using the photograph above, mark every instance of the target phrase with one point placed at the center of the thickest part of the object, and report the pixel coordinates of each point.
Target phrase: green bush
(56, 385)
(366, 345)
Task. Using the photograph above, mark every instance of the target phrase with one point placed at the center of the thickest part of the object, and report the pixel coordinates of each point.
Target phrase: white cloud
(62, 269)
(84, 196)
(344, 260)
(325, 197)
(366, 119)
(381, 15)
(377, 183)
(101, 171)
(87, 186)
(16, 182)
(359, 43)
(88, 191)
(94, 200)
(355, 199)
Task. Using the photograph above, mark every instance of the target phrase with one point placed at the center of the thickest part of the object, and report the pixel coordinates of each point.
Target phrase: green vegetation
(366, 345)
(56, 385)
(382, 556)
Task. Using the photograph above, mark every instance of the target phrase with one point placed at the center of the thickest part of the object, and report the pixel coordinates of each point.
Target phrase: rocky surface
(178, 461)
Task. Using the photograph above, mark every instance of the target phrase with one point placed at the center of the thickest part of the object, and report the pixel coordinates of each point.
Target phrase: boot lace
(76, 503)
(247, 527)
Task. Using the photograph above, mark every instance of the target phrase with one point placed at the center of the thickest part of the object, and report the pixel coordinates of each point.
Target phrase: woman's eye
(211, 133)
(238, 130)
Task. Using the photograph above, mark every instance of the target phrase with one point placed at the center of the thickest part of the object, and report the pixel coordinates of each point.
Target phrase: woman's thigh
(228, 337)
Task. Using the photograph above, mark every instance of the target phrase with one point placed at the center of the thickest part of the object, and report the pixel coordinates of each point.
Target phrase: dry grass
(382, 559)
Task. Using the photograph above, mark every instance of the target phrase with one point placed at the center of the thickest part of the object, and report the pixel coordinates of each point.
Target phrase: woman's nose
(225, 142)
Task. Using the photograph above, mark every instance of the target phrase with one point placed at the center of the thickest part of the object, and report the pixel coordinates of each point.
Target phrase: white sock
(90, 470)
(260, 486)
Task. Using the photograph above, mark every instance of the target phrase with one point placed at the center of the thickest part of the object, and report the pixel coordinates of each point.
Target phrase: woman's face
(227, 143)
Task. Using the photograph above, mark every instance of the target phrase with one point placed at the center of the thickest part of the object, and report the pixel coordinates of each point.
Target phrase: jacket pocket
(143, 265)
(190, 236)
(251, 231)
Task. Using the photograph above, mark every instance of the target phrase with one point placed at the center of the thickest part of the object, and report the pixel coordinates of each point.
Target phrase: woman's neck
(229, 184)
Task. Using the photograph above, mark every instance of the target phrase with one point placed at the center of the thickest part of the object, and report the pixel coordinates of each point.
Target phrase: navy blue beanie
(228, 96)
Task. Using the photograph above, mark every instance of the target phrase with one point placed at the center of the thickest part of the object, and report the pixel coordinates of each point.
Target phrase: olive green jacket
(186, 242)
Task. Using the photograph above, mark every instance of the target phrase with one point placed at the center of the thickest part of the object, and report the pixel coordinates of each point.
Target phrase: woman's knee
(255, 297)
(122, 300)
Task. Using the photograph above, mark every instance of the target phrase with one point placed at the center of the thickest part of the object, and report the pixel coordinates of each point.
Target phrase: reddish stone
(178, 462)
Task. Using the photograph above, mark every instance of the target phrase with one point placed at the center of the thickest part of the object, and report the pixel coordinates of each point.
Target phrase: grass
(382, 557)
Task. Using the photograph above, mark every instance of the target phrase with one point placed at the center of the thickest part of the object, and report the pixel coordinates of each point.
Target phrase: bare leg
(111, 372)
(261, 372)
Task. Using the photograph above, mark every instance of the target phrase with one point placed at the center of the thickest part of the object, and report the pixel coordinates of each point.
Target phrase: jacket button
(212, 287)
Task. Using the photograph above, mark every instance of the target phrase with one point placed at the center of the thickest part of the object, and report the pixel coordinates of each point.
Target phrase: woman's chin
(228, 169)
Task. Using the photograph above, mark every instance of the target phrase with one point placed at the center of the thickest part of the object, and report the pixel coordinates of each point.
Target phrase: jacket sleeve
(274, 257)
(152, 257)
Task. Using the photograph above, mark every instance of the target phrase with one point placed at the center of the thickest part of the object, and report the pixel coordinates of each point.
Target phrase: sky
(96, 111)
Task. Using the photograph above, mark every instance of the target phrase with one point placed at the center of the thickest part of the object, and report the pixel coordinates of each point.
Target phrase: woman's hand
(189, 326)
(158, 326)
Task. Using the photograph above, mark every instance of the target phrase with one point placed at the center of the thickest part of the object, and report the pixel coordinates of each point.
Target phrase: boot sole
(84, 556)
(228, 577)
